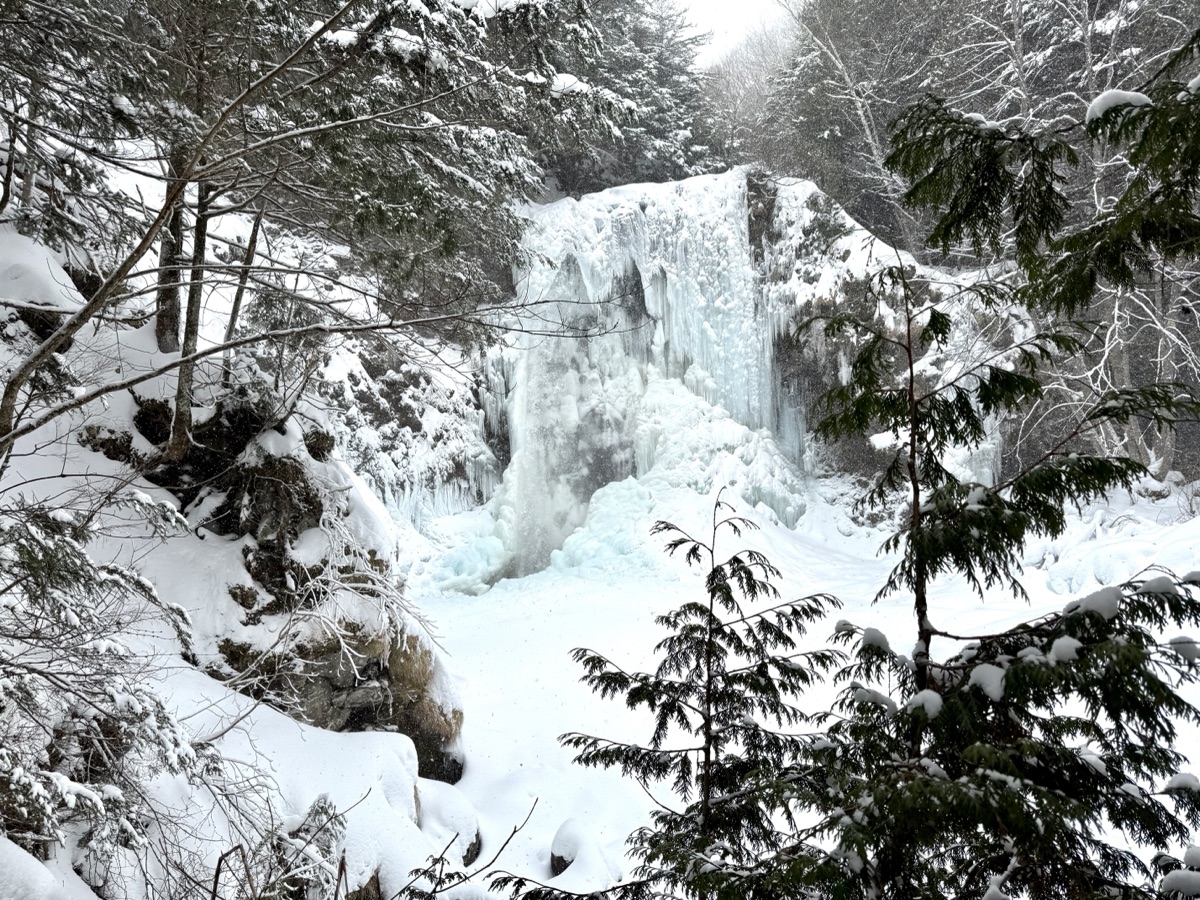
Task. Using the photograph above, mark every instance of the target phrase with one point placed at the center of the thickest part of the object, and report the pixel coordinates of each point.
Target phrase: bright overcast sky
(729, 21)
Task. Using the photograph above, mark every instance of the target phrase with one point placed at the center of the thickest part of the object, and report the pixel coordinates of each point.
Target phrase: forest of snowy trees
(257, 255)
(821, 103)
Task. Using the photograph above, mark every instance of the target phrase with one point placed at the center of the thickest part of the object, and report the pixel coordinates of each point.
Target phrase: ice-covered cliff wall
(637, 299)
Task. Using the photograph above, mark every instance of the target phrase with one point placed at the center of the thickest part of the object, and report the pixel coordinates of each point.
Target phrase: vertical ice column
(568, 410)
(690, 243)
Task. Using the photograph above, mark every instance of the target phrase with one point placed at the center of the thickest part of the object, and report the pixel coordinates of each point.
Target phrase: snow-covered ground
(509, 649)
(511, 645)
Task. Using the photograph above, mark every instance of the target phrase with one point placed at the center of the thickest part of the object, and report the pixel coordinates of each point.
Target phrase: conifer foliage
(81, 732)
(1006, 770)
(1011, 774)
(986, 178)
(647, 57)
(1024, 765)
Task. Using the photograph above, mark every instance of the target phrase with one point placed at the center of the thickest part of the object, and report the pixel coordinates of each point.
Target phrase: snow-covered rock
(24, 878)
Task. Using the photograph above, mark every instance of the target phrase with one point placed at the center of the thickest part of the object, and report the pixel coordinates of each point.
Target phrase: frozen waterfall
(672, 368)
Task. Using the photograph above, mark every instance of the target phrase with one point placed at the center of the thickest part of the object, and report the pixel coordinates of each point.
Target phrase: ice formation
(646, 282)
(647, 340)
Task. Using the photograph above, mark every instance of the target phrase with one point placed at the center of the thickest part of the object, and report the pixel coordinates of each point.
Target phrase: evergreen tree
(81, 732)
(645, 54)
(70, 86)
(1023, 768)
(1006, 767)
(393, 132)
(1128, 257)
(723, 700)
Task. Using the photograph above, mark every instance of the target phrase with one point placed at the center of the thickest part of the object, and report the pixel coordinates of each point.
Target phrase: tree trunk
(239, 296)
(31, 167)
(170, 266)
(1120, 377)
(1169, 364)
(10, 162)
(1019, 62)
(181, 425)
